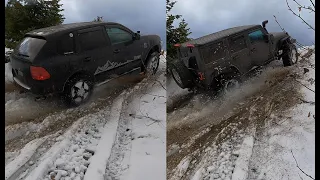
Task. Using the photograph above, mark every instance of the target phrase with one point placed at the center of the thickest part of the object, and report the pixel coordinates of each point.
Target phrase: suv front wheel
(78, 90)
(290, 56)
(152, 63)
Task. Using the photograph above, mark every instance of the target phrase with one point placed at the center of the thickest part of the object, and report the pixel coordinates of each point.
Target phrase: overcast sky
(147, 16)
(208, 16)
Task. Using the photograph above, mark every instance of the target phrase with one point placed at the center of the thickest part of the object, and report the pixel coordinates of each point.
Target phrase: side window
(213, 52)
(117, 35)
(66, 44)
(256, 36)
(92, 40)
(237, 44)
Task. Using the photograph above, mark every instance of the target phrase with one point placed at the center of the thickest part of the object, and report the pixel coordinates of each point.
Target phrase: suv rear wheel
(290, 56)
(181, 75)
(78, 90)
(229, 81)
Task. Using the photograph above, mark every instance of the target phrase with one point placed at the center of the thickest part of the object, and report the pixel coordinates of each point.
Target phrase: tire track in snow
(118, 163)
(28, 158)
(59, 120)
(71, 136)
(68, 157)
(52, 154)
(25, 155)
(99, 160)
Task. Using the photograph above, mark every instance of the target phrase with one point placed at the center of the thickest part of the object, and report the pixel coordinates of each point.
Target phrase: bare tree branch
(143, 116)
(299, 44)
(275, 18)
(305, 101)
(300, 168)
(313, 4)
(160, 84)
(299, 16)
(155, 95)
(304, 7)
(305, 86)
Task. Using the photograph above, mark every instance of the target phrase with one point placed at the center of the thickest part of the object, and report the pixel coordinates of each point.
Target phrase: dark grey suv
(71, 58)
(222, 58)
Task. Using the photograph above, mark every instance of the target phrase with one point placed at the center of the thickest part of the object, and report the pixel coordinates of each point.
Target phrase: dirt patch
(277, 93)
(11, 87)
(179, 102)
(57, 125)
(101, 98)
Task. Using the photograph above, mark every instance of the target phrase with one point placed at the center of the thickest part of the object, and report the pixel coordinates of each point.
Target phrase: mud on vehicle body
(71, 58)
(221, 59)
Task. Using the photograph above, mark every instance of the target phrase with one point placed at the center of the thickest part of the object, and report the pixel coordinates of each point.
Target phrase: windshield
(29, 47)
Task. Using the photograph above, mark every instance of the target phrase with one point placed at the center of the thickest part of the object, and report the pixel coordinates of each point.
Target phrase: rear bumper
(20, 83)
(37, 87)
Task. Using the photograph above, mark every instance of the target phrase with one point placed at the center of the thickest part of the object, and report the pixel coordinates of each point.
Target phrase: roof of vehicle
(218, 35)
(55, 30)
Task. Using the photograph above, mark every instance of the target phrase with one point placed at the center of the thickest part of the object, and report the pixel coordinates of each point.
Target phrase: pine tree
(175, 34)
(22, 16)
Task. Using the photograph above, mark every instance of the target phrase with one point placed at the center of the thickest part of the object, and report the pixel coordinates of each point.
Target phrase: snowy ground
(264, 130)
(119, 134)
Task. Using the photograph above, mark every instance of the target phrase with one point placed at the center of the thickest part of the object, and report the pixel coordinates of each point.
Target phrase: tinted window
(92, 40)
(65, 44)
(213, 52)
(256, 36)
(117, 35)
(237, 44)
(30, 47)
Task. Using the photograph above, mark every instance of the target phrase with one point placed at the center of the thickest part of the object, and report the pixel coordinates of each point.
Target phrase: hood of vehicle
(279, 35)
(150, 37)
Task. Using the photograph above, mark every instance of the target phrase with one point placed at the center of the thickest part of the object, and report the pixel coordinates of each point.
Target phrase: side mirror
(136, 36)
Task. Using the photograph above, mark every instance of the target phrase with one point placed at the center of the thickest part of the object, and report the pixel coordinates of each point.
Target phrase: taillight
(190, 45)
(39, 73)
(201, 76)
(177, 45)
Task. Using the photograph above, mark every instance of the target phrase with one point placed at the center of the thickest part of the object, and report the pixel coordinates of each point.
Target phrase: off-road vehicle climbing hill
(71, 58)
(223, 58)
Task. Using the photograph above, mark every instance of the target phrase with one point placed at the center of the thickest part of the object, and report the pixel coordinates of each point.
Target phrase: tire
(229, 82)
(181, 75)
(152, 64)
(290, 56)
(71, 94)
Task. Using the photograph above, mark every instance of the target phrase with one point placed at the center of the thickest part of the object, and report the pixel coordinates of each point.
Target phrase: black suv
(72, 58)
(221, 59)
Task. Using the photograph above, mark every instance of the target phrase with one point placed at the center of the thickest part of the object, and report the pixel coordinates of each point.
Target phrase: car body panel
(212, 61)
(101, 63)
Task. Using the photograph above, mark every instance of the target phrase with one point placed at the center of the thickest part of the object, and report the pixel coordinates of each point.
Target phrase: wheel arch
(78, 73)
(155, 48)
(218, 73)
(282, 42)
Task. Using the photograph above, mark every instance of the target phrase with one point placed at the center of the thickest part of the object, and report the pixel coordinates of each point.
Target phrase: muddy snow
(116, 135)
(262, 130)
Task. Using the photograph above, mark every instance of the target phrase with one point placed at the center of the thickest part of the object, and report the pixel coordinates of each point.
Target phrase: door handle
(116, 51)
(87, 59)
